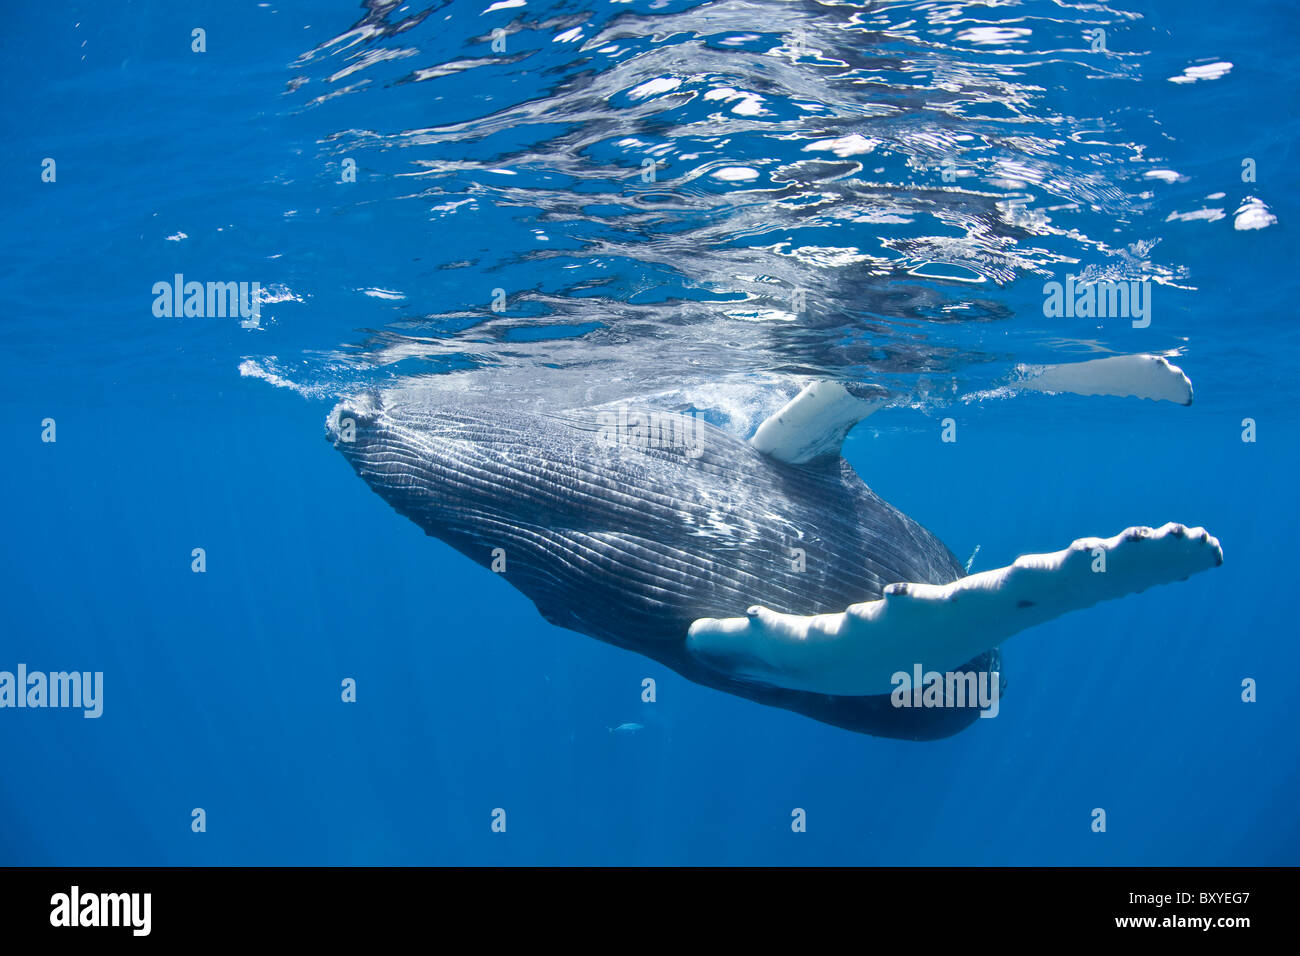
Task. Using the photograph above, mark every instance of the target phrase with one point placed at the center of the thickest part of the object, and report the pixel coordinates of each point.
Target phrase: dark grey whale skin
(629, 543)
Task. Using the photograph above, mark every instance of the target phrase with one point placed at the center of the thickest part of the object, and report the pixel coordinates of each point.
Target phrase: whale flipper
(815, 422)
(856, 652)
(1122, 376)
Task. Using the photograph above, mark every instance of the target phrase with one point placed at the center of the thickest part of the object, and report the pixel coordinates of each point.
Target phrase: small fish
(628, 728)
(971, 559)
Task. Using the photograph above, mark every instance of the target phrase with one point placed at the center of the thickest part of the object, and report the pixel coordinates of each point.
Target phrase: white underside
(941, 627)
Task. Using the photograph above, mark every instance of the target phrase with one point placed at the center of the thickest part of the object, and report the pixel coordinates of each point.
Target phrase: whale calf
(726, 558)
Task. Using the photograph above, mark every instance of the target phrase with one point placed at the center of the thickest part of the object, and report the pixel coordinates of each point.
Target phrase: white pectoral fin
(816, 421)
(813, 423)
(941, 627)
(1124, 376)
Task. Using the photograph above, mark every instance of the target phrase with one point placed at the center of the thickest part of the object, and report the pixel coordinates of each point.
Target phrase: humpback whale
(762, 566)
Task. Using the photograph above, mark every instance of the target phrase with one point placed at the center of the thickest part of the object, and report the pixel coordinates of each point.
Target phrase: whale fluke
(941, 626)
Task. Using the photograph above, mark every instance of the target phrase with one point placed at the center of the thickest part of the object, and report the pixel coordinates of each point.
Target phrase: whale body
(631, 540)
(721, 557)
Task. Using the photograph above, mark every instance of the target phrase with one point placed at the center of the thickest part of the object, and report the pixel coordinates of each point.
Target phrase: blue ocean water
(793, 146)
